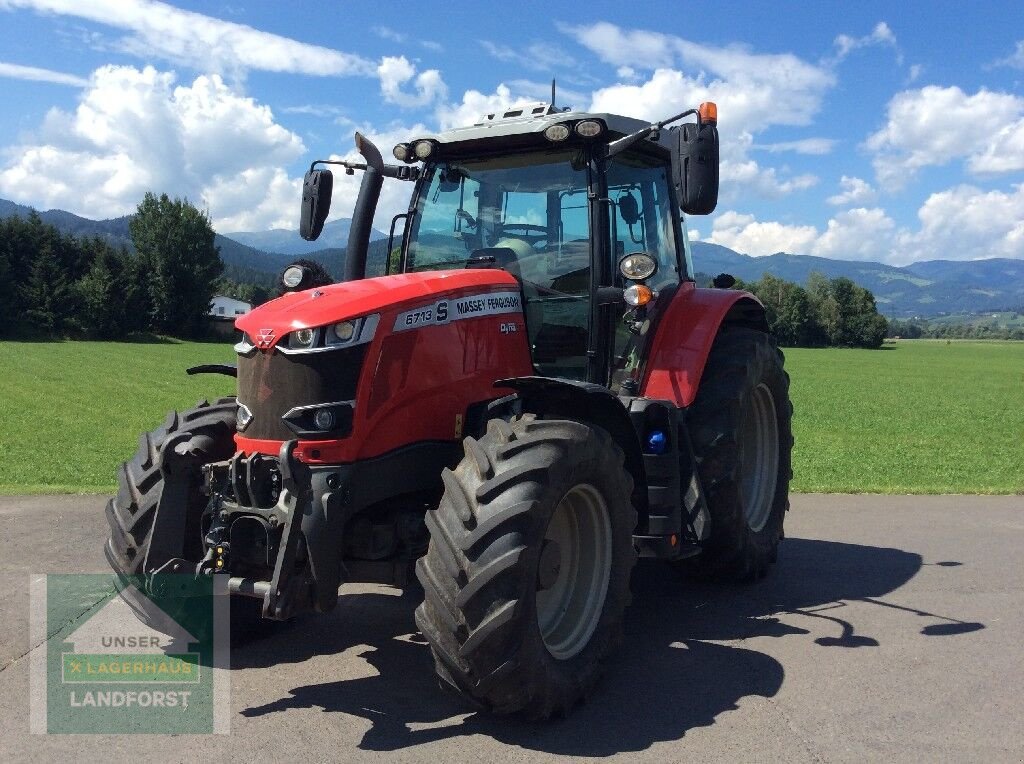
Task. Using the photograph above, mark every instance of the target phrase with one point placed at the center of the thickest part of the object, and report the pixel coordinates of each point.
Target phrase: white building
(222, 306)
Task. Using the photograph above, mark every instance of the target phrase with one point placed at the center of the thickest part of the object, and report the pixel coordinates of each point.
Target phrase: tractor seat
(504, 258)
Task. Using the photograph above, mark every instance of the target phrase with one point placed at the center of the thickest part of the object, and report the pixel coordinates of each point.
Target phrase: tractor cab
(561, 200)
(530, 215)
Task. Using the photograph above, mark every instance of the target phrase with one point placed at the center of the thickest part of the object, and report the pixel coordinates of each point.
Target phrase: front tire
(740, 425)
(527, 575)
(131, 512)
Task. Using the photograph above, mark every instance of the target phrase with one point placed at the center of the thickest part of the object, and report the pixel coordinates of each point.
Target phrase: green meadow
(918, 416)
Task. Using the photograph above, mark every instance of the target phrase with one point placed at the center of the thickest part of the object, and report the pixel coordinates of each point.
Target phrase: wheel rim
(759, 458)
(569, 610)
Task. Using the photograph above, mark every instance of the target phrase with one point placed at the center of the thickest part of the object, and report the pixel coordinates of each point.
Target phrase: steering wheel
(527, 231)
(528, 227)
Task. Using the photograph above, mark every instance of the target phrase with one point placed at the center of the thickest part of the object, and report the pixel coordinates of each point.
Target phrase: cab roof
(531, 120)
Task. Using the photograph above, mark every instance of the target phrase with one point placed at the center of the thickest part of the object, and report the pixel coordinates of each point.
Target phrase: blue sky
(875, 131)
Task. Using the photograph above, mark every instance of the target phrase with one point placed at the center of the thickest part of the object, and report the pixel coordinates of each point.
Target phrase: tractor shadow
(668, 677)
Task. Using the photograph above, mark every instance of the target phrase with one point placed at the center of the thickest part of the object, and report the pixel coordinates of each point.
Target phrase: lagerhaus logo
(129, 655)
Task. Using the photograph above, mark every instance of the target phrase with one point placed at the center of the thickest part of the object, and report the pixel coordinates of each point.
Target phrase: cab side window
(643, 219)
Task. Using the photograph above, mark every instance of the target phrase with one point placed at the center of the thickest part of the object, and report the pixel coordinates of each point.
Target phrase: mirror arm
(350, 167)
(399, 172)
(620, 145)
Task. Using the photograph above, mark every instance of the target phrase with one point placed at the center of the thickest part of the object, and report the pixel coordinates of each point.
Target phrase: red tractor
(534, 394)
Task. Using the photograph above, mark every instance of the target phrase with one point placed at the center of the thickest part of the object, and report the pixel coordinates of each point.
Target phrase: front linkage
(266, 518)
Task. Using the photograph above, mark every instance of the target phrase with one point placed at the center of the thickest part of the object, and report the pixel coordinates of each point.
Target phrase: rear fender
(684, 333)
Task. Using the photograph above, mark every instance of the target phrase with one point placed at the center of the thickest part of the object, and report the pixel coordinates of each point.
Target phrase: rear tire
(740, 425)
(534, 505)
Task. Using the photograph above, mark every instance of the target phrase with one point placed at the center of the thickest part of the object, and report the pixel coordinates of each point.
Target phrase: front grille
(272, 383)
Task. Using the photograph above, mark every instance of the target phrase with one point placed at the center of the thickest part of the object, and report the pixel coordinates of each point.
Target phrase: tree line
(55, 285)
(975, 330)
(827, 313)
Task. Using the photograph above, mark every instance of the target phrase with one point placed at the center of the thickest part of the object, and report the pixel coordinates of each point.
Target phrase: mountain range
(922, 289)
(287, 242)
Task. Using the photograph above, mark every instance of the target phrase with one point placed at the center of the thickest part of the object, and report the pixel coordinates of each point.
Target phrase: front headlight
(293, 276)
(324, 419)
(638, 266)
(348, 333)
(556, 133)
(301, 339)
(343, 331)
(423, 149)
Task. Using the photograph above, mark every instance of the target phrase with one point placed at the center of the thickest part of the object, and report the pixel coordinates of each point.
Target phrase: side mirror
(629, 209)
(695, 167)
(316, 203)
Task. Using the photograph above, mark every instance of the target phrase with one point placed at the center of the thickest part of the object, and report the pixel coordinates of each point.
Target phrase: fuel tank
(413, 353)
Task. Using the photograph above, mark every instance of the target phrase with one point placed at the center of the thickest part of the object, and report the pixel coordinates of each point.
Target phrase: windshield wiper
(463, 262)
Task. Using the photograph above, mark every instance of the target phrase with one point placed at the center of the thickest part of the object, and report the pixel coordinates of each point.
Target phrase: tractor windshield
(534, 204)
(526, 214)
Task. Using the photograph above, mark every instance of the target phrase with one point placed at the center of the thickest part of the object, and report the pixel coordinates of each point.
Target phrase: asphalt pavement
(889, 630)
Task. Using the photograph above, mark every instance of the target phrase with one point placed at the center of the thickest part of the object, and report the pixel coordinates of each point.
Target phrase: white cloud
(854, 191)
(752, 90)
(395, 194)
(475, 104)
(881, 36)
(745, 234)
(135, 131)
(812, 146)
(315, 110)
(669, 90)
(35, 74)
(275, 206)
(967, 223)
(396, 71)
(387, 33)
(538, 56)
(936, 125)
(857, 234)
(202, 42)
(740, 178)
(960, 223)
(1004, 151)
(1016, 59)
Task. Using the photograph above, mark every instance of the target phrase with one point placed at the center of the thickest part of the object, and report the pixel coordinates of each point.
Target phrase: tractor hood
(324, 305)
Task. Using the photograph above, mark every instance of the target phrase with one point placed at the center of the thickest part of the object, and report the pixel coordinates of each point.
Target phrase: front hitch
(298, 527)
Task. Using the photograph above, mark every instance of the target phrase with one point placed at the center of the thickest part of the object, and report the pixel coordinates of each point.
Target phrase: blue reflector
(656, 442)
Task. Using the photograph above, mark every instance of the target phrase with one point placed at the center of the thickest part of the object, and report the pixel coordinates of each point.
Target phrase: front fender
(684, 333)
(584, 402)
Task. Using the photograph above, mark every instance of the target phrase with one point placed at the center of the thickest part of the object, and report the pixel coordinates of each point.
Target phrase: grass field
(920, 416)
